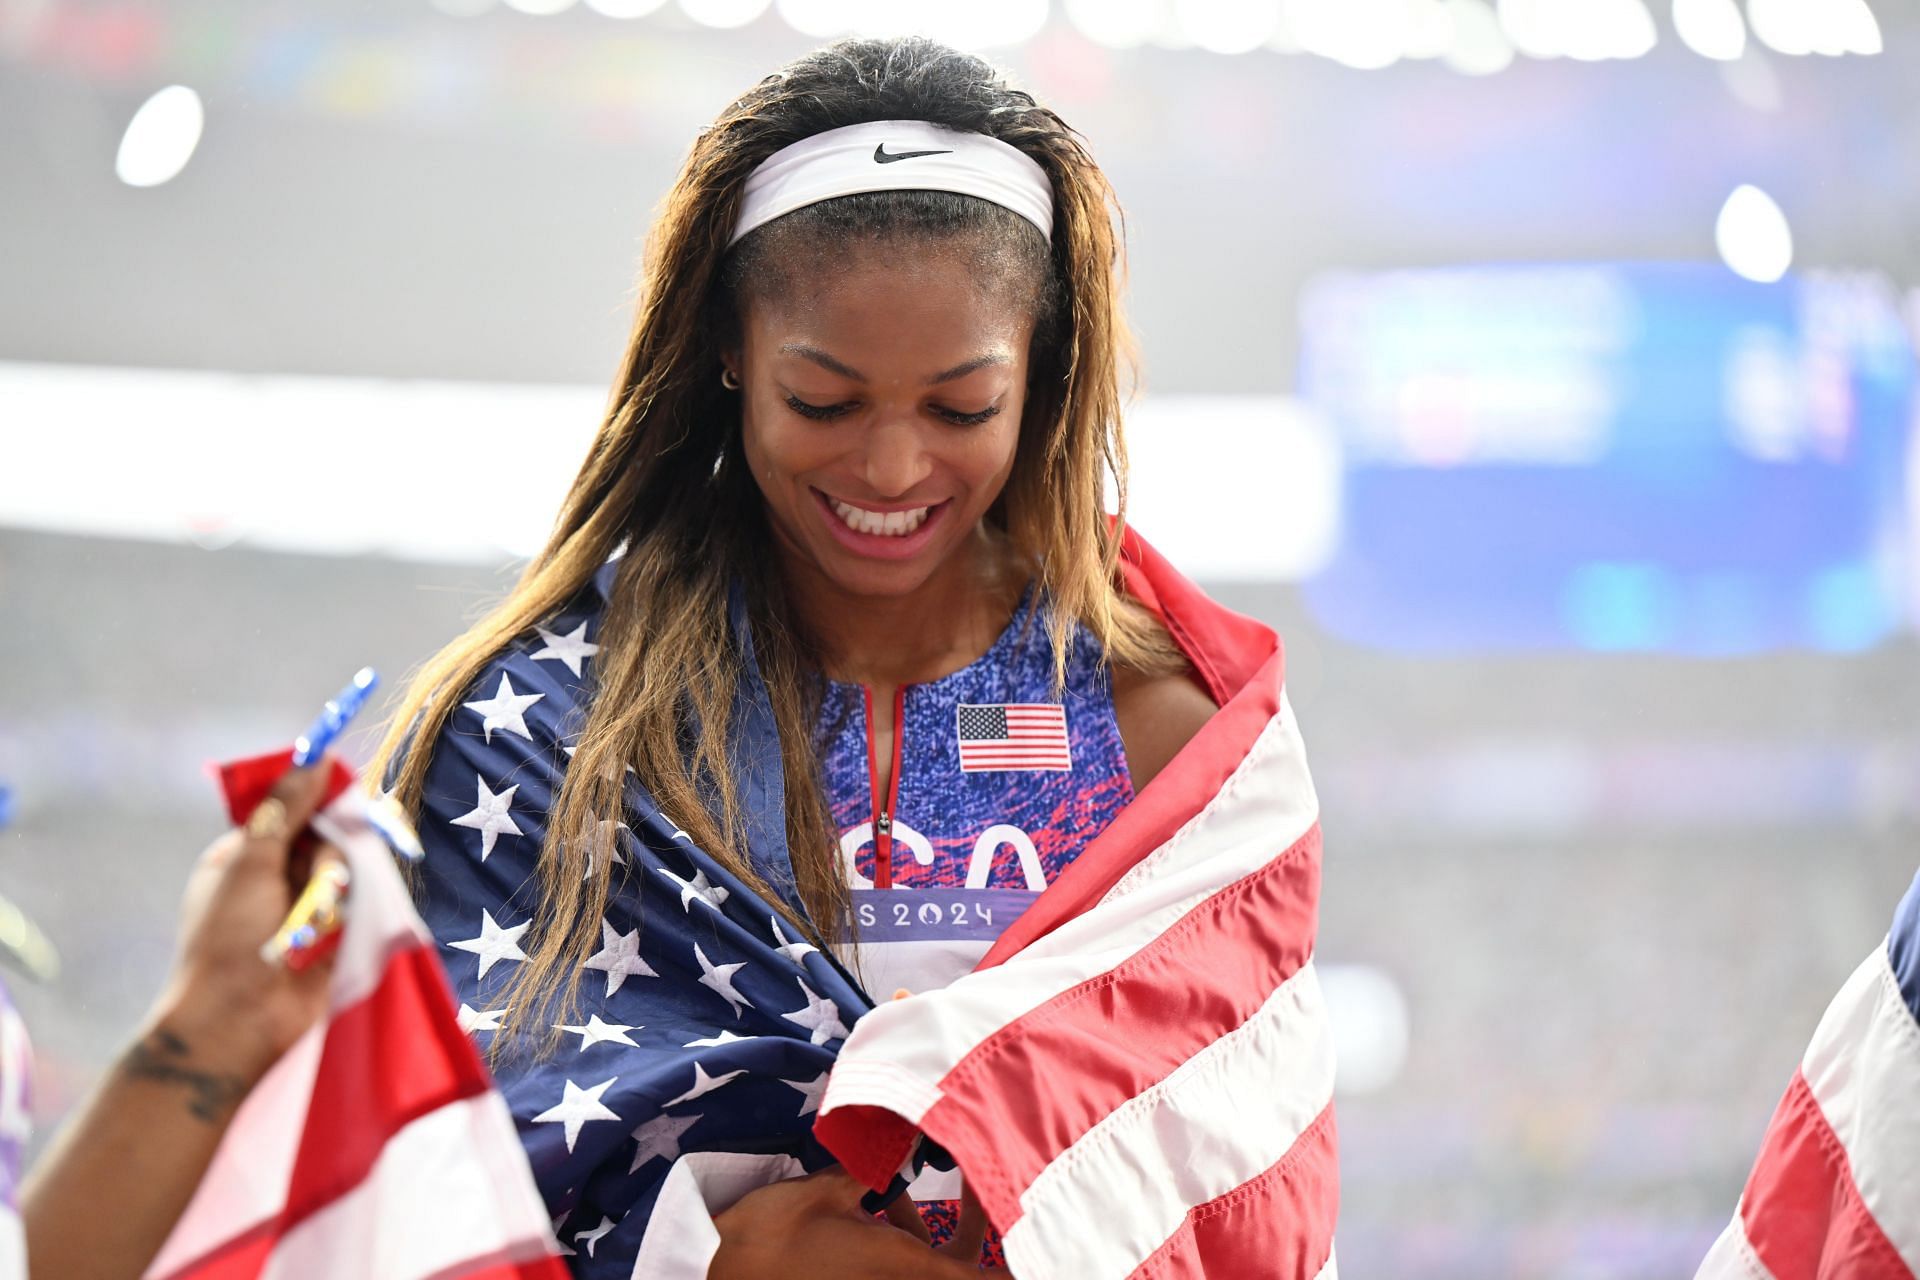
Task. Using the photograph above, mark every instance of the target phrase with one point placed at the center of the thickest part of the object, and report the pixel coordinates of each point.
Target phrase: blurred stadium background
(1545, 370)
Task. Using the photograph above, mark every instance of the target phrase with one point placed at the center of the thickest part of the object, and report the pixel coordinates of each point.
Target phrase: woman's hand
(969, 1233)
(814, 1227)
(143, 1139)
(238, 1010)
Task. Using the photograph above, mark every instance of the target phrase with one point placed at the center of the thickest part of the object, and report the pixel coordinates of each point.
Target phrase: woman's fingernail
(268, 821)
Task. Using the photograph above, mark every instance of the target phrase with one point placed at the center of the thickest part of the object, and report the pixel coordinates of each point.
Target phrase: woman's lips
(871, 539)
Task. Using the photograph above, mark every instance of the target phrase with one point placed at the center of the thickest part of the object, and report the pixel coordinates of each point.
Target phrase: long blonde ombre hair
(665, 479)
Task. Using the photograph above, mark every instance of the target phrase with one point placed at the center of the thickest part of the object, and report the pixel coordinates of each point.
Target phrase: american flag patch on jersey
(1013, 736)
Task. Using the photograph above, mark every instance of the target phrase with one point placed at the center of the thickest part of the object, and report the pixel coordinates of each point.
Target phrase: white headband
(895, 155)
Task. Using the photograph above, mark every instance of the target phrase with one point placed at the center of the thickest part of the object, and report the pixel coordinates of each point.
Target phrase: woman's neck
(944, 624)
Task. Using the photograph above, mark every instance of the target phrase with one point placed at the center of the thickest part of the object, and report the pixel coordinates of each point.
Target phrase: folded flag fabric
(377, 1145)
(1145, 1050)
(1835, 1193)
(1138, 1079)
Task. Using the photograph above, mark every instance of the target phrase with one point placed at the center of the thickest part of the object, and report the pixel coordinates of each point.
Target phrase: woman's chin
(877, 579)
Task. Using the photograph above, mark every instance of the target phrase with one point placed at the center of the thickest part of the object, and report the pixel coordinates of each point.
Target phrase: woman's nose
(896, 459)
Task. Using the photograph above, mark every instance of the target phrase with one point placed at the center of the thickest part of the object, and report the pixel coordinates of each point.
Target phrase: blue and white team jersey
(998, 781)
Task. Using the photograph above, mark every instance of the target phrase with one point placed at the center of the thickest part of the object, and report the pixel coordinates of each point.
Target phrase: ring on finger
(269, 820)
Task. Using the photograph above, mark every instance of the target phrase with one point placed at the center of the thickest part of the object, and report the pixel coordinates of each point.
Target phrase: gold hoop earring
(729, 379)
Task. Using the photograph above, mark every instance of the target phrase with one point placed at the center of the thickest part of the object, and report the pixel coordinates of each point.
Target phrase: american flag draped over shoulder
(1835, 1193)
(707, 1024)
(1166, 973)
(1138, 1079)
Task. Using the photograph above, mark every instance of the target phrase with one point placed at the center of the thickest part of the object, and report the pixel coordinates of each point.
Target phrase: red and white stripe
(1146, 1049)
(1836, 1189)
(377, 1146)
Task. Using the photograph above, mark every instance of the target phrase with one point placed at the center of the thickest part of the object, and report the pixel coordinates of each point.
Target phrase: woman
(827, 644)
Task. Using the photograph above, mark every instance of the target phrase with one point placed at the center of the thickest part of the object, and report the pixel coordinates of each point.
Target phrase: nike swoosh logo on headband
(880, 155)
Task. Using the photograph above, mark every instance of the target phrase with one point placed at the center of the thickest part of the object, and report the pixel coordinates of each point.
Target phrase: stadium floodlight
(624, 8)
(1753, 236)
(1588, 30)
(1118, 24)
(1784, 26)
(1429, 28)
(821, 19)
(1849, 27)
(984, 24)
(1479, 46)
(1363, 34)
(1801, 27)
(1711, 28)
(161, 137)
(1228, 26)
(723, 14)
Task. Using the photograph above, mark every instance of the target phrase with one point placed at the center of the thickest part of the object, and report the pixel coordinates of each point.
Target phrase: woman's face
(880, 408)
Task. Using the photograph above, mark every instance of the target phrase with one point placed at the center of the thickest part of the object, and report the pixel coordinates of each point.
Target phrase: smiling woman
(835, 588)
(880, 414)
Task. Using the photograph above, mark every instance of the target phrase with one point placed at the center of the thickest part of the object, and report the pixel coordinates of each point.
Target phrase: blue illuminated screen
(1645, 457)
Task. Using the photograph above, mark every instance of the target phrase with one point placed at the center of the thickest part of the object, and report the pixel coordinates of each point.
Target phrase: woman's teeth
(887, 524)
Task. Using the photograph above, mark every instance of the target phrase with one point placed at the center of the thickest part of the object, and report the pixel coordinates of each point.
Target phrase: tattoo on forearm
(162, 1057)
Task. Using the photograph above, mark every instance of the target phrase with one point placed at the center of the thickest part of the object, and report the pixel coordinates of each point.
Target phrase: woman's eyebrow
(832, 365)
(966, 367)
(822, 359)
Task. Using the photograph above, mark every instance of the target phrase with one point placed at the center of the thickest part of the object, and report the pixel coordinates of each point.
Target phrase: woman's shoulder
(1195, 655)
(1160, 700)
(1159, 711)
(513, 721)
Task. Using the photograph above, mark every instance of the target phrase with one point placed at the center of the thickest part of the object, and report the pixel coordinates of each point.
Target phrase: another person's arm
(103, 1198)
